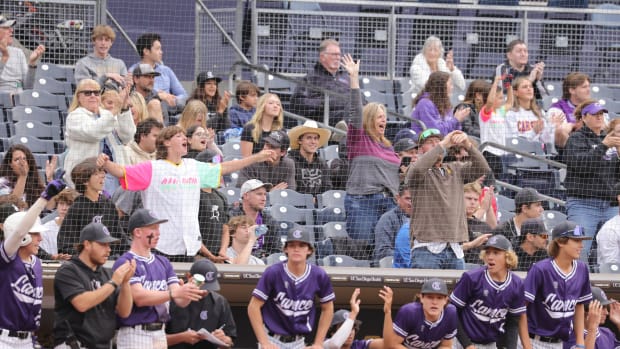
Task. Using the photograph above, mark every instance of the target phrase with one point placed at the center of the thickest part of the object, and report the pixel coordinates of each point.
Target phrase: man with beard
(144, 81)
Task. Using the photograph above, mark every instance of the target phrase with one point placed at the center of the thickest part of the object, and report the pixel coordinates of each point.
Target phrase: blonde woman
(138, 107)
(194, 113)
(269, 117)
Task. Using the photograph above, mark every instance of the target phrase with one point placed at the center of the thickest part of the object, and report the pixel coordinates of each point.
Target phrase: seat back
(340, 260)
(38, 130)
(291, 197)
(41, 99)
(289, 213)
(331, 198)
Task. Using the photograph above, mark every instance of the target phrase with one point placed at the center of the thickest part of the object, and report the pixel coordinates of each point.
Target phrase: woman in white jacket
(430, 60)
(91, 129)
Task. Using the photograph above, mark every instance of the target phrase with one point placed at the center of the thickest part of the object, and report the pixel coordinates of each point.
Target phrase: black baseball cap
(404, 145)
(341, 316)
(499, 242)
(96, 232)
(527, 196)
(278, 139)
(206, 76)
(143, 218)
(297, 234)
(435, 286)
(207, 269)
(533, 226)
(599, 295)
(569, 230)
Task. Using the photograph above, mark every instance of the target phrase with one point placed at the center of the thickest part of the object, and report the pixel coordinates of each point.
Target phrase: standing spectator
(269, 117)
(516, 66)
(278, 169)
(608, 238)
(373, 165)
(475, 98)
(244, 235)
(144, 81)
(181, 239)
(212, 313)
(139, 110)
(167, 86)
(19, 176)
(311, 172)
(390, 223)
(531, 245)
(276, 313)
(592, 171)
(90, 128)
(308, 99)
(490, 300)
(21, 274)
(429, 323)
(253, 199)
(16, 73)
(206, 91)
(99, 65)
(153, 286)
(194, 114)
(575, 90)
(407, 151)
(90, 206)
(246, 95)
(554, 311)
(528, 205)
(431, 60)
(437, 191)
(432, 107)
(88, 296)
(49, 241)
(525, 119)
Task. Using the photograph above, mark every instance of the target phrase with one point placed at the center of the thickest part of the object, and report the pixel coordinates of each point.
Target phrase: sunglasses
(544, 236)
(89, 93)
(429, 132)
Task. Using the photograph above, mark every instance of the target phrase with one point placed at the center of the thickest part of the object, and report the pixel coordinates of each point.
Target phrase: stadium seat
(29, 113)
(504, 215)
(524, 145)
(6, 101)
(275, 258)
(334, 230)
(552, 218)
(291, 197)
(41, 99)
(231, 149)
(41, 159)
(34, 144)
(53, 86)
(290, 213)
(386, 262)
(330, 214)
(505, 203)
(232, 194)
(329, 152)
(331, 198)
(339, 260)
(376, 84)
(53, 71)
(38, 130)
(387, 99)
(612, 268)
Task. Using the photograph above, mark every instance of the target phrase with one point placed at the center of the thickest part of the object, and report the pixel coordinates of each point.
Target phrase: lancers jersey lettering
(420, 333)
(553, 296)
(155, 273)
(289, 300)
(486, 303)
(174, 192)
(21, 289)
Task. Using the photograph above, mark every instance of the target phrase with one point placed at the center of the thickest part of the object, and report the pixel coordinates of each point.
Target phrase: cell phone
(405, 161)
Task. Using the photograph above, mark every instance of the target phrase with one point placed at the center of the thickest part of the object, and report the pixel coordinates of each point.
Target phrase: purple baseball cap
(592, 109)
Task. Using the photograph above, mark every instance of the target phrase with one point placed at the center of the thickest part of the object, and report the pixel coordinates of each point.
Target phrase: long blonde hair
(83, 85)
(257, 118)
(191, 110)
(139, 104)
(369, 114)
(533, 107)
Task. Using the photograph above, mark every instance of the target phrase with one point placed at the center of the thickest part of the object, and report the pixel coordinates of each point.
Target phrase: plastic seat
(505, 203)
(232, 194)
(387, 99)
(339, 260)
(291, 197)
(53, 86)
(376, 84)
(330, 214)
(290, 213)
(503, 215)
(329, 152)
(231, 149)
(553, 218)
(6, 101)
(38, 130)
(386, 262)
(276, 258)
(29, 113)
(34, 144)
(41, 99)
(334, 230)
(50, 70)
(331, 198)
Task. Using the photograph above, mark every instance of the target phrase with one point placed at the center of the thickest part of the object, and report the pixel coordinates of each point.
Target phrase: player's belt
(16, 334)
(154, 326)
(545, 339)
(285, 339)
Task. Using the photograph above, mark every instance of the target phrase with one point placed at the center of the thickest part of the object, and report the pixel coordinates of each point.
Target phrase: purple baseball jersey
(486, 303)
(289, 300)
(553, 295)
(155, 273)
(421, 333)
(361, 343)
(21, 289)
(605, 339)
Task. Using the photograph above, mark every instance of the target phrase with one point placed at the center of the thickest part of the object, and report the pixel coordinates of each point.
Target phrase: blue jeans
(422, 258)
(589, 213)
(363, 213)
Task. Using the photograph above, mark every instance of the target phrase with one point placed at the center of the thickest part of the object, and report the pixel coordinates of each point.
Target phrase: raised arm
(236, 165)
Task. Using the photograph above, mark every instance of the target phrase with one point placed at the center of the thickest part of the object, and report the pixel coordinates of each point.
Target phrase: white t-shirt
(231, 253)
(520, 124)
(49, 237)
(493, 128)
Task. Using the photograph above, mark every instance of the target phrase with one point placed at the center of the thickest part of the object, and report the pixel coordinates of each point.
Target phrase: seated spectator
(139, 110)
(253, 199)
(516, 66)
(269, 117)
(493, 123)
(206, 91)
(199, 139)
(480, 221)
(431, 60)
(194, 114)
(144, 81)
(49, 241)
(531, 245)
(432, 107)
(142, 147)
(16, 73)
(246, 95)
(308, 99)
(608, 237)
(407, 151)
(575, 90)
(528, 205)
(111, 101)
(212, 313)
(90, 206)
(597, 333)
(475, 98)
(19, 176)
(243, 233)
(90, 128)
(99, 65)
(390, 223)
(167, 86)
(311, 172)
(525, 119)
(278, 169)
(402, 247)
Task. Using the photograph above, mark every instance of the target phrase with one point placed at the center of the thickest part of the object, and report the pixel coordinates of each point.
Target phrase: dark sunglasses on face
(89, 93)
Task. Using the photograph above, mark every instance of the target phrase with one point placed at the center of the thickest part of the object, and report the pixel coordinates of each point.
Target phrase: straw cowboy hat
(310, 126)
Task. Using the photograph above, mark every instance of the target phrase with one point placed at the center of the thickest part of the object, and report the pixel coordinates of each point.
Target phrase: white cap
(13, 221)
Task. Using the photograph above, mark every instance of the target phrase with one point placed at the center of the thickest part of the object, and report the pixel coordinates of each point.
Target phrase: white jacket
(420, 71)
